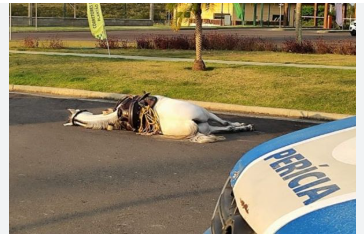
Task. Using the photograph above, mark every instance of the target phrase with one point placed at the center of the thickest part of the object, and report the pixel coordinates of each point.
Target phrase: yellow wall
(208, 10)
(227, 8)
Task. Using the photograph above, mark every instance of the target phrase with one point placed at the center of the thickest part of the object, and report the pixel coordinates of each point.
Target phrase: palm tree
(298, 23)
(196, 9)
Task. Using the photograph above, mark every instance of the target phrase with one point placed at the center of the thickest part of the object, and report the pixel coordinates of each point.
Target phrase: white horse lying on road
(159, 115)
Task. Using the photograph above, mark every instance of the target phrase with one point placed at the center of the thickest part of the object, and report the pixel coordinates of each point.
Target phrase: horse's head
(107, 120)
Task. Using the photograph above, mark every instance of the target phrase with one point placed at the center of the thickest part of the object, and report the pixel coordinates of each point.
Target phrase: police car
(303, 182)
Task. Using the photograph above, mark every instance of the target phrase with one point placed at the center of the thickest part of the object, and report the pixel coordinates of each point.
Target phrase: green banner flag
(96, 21)
(238, 10)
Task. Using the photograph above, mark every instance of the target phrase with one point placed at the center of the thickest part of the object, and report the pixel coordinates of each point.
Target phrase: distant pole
(326, 15)
(64, 10)
(243, 14)
(222, 13)
(255, 14)
(345, 9)
(151, 12)
(315, 15)
(125, 15)
(285, 17)
(74, 10)
(10, 22)
(268, 14)
(30, 14)
(107, 44)
(36, 17)
(261, 14)
(280, 15)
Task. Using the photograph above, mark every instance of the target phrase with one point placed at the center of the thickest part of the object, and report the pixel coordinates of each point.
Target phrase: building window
(276, 18)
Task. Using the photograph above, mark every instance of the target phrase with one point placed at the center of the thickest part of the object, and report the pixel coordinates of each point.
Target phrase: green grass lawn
(278, 57)
(293, 88)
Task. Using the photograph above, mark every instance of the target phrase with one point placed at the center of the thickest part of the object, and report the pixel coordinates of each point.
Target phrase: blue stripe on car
(286, 140)
(335, 219)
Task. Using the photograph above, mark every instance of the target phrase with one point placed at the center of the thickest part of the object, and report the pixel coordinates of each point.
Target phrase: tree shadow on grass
(209, 68)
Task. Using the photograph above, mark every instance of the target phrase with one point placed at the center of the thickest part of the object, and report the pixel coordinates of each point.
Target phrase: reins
(76, 114)
(151, 125)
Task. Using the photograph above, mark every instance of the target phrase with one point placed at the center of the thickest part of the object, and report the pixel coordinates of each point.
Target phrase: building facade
(267, 14)
(256, 14)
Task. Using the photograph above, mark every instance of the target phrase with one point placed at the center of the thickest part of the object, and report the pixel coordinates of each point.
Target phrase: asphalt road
(74, 180)
(276, 36)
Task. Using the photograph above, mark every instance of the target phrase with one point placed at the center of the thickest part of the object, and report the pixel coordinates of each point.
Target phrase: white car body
(303, 182)
(352, 28)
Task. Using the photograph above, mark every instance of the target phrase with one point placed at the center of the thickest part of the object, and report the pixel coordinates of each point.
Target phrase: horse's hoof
(252, 127)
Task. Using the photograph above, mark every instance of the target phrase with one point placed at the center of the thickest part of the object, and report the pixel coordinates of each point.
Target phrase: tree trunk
(198, 64)
(151, 12)
(285, 14)
(298, 23)
(326, 14)
(315, 15)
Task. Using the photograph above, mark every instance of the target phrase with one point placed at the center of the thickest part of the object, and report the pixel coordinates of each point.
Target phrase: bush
(291, 45)
(183, 42)
(319, 46)
(144, 43)
(307, 10)
(55, 43)
(30, 42)
(114, 43)
(163, 42)
(215, 41)
(256, 44)
(345, 47)
(234, 42)
(323, 47)
(212, 41)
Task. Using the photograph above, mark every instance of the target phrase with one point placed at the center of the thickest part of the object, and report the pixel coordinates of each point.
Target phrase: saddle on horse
(129, 111)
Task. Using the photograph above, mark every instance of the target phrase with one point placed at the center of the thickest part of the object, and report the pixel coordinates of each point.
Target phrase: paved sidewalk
(167, 59)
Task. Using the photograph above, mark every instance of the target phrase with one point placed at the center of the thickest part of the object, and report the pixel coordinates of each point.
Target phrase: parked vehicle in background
(352, 28)
(302, 183)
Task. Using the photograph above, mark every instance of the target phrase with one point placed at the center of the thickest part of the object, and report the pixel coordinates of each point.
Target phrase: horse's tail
(203, 138)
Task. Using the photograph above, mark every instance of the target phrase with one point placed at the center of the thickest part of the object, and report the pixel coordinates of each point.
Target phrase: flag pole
(107, 41)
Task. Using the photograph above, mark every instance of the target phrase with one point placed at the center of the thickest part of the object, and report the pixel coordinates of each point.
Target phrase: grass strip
(324, 90)
(278, 57)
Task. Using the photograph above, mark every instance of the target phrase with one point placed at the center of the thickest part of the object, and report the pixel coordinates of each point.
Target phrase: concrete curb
(222, 107)
(65, 92)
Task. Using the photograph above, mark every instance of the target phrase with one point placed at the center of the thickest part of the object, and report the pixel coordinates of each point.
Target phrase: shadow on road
(46, 110)
(115, 207)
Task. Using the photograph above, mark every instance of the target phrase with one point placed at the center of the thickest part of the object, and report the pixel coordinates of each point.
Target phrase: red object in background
(329, 22)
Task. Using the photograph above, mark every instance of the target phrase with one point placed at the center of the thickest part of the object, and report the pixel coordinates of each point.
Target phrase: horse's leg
(205, 128)
(224, 122)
